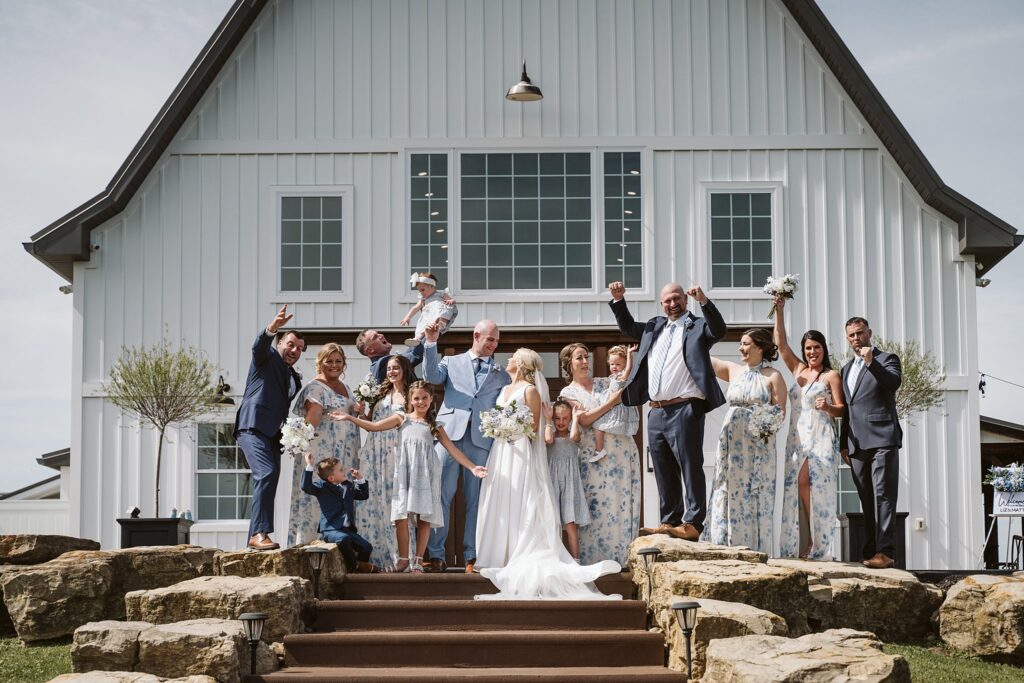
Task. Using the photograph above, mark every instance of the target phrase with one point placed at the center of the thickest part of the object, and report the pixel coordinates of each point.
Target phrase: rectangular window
(428, 210)
(623, 219)
(526, 221)
(741, 238)
(846, 492)
(223, 480)
(311, 243)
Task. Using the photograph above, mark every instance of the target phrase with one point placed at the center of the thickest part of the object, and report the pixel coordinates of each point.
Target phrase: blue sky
(82, 79)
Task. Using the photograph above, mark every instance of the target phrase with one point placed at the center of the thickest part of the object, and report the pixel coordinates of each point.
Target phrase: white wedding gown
(518, 534)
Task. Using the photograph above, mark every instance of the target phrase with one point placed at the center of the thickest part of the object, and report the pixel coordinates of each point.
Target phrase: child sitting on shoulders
(562, 436)
(432, 306)
(336, 495)
(621, 419)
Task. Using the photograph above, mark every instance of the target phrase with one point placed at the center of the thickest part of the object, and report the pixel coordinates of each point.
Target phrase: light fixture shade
(649, 555)
(686, 613)
(524, 90)
(253, 623)
(316, 556)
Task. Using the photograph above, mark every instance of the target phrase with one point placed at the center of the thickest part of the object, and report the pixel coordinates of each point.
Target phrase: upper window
(314, 240)
(847, 499)
(223, 479)
(623, 219)
(741, 238)
(429, 212)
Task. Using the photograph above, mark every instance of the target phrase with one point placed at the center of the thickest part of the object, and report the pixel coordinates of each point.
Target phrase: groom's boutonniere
(690, 322)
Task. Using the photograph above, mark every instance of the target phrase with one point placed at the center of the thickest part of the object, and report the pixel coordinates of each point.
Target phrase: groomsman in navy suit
(375, 346)
(269, 389)
(472, 382)
(672, 370)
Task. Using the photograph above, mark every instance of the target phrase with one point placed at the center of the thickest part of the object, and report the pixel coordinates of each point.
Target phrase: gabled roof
(988, 238)
(55, 459)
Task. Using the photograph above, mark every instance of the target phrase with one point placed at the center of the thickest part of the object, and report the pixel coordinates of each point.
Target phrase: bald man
(672, 370)
(472, 382)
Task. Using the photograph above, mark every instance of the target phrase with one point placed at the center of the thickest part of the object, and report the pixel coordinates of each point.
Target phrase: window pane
(613, 232)
(577, 278)
(474, 255)
(473, 188)
(721, 276)
(526, 209)
(207, 508)
(527, 255)
(552, 254)
(552, 164)
(291, 232)
(474, 278)
(552, 278)
(623, 204)
(499, 164)
(741, 248)
(206, 458)
(740, 252)
(499, 210)
(761, 204)
(527, 278)
(206, 484)
(741, 204)
(499, 278)
(226, 485)
(207, 434)
(721, 252)
(577, 186)
(721, 229)
(244, 507)
(525, 187)
(499, 255)
(741, 276)
(761, 228)
(499, 233)
(577, 164)
(310, 279)
(291, 207)
(474, 232)
(526, 232)
(226, 508)
(332, 232)
(577, 255)
(332, 208)
(428, 211)
(290, 279)
(720, 205)
(474, 164)
(500, 186)
(331, 280)
(310, 232)
(741, 228)
(633, 276)
(311, 256)
(311, 207)
(552, 209)
(761, 252)
(761, 274)
(524, 164)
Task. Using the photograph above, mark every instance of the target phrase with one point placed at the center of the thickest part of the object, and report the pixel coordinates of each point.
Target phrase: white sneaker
(597, 455)
(412, 342)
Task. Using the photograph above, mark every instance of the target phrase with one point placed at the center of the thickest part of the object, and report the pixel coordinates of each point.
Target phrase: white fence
(34, 517)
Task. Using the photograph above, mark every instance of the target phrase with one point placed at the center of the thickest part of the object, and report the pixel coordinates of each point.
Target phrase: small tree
(923, 377)
(161, 386)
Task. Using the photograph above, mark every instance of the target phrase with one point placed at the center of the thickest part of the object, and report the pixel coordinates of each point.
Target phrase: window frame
(196, 471)
(345, 294)
(598, 290)
(703, 234)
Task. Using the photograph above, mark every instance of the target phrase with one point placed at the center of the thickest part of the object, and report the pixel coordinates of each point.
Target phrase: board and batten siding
(337, 94)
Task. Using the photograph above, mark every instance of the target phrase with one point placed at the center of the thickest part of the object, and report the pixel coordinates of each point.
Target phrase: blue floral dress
(334, 439)
(612, 486)
(377, 464)
(812, 439)
(743, 494)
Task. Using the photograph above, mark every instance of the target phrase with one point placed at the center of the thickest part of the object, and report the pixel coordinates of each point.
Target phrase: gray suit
(872, 434)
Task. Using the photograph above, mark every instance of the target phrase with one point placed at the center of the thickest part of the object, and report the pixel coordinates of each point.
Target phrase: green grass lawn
(20, 664)
(936, 665)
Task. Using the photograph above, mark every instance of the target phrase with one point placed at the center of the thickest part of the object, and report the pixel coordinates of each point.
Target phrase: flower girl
(432, 305)
(562, 436)
(416, 492)
(621, 419)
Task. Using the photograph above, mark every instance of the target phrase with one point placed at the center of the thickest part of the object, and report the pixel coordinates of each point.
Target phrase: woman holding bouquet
(324, 394)
(812, 449)
(743, 492)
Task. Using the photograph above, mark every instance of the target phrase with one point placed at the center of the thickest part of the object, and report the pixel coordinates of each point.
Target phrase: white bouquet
(765, 420)
(1009, 479)
(295, 436)
(367, 391)
(784, 286)
(509, 423)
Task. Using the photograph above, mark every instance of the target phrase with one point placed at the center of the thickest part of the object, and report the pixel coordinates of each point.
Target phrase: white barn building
(318, 151)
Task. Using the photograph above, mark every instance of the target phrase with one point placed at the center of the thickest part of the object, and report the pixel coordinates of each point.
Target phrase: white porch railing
(34, 517)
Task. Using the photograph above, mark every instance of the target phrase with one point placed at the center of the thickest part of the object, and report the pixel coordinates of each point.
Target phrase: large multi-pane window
(526, 221)
(311, 243)
(741, 238)
(623, 218)
(223, 479)
(429, 213)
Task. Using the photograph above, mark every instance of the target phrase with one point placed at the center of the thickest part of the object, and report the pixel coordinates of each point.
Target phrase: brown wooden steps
(581, 674)
(449, 586)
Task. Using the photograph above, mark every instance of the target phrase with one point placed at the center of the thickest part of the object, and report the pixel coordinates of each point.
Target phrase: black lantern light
(686, 615)
(253, 623)
(649, 555)
(316, 556)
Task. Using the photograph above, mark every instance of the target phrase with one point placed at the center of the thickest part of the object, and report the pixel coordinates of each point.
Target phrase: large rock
(287, 562)
(984, 615)
(6, 625)
(214, 647)
(107, 645)
(674, 549)
(285, 599)
(838, 656)
(38, 548)
(126, 677)
(779, 590)
(891, 603)
(52, 599)
(715, 619)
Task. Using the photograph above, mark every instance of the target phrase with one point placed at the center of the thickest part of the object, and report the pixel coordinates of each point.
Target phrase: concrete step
(449, 586)
(479, 615)
(579, 674)
(457, 649)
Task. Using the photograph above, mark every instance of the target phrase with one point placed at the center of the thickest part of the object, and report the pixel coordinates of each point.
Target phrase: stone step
(479, 615)
(569, 674)
(449, 586)
(475, 649)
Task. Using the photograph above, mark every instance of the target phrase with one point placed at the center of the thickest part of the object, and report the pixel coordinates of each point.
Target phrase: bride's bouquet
(510, 422)
(784, 286)
(367, 391)
(765, 420)
(295, 436)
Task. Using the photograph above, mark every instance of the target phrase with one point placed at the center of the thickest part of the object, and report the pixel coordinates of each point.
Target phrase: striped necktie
(658, 364)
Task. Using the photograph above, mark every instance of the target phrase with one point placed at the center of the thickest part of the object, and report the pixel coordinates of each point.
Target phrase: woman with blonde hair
(324, 394)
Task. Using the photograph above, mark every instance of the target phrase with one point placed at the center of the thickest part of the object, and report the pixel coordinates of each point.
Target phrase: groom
(672, 370)
(472, 382)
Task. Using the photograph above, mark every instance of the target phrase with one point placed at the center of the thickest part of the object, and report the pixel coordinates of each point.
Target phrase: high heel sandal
(417, 566)
(401, 570)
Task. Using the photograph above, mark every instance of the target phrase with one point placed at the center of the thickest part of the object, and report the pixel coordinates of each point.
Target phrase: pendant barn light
(524, 90)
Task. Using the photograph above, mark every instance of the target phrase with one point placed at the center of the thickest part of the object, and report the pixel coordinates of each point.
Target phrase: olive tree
(923, 377)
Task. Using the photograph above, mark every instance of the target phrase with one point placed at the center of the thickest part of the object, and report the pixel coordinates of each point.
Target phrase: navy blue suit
(269, 390)
(379, 364)
(338, 515)
(675, 434)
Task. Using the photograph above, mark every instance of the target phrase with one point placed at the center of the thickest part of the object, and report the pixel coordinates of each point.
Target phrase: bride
(518, 533)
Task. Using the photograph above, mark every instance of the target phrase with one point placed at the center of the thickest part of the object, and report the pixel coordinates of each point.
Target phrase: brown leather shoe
(879, 561)
(261, 541)
(661, 529)
(685, 531)
(436, 565)
(469, 566)
(366, 568)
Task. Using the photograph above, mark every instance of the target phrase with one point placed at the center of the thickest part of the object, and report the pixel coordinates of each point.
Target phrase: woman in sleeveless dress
(518, 534)
(812, 449)
(743, 493)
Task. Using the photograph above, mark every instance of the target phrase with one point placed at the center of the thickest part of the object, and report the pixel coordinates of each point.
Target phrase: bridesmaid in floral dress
(812, 449)
(325, 394)
(612, 484)
(743, 493)
(377, 464)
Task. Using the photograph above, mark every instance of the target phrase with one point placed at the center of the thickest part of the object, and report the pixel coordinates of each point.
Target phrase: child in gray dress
(623, 420)
(562, 436)
(433, 305)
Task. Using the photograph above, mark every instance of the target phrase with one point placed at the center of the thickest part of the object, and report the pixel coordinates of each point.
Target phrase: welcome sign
(1008, 503)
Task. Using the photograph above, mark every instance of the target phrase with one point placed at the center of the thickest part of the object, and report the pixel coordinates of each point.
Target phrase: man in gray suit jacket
(472, 382)
(871, 438)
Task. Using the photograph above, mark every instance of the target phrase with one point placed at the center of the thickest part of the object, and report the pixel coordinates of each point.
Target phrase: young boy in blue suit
(337, 495)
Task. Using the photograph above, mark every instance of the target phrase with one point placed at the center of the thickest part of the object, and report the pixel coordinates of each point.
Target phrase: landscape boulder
(675, 549)
(292, 561)
(126, 677)
(891, 603)
(6, 625)
(984, 615)
(287, 600)
(839, 655)
(214, 647)
(107, 646)
(39, 548)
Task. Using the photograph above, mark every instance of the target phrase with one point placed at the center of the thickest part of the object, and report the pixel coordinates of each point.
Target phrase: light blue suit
(465, 397)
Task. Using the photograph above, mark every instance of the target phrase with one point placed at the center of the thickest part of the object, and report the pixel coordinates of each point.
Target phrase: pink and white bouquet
(784, 286)
(295, 436)
(765, 420)
(510, 422)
